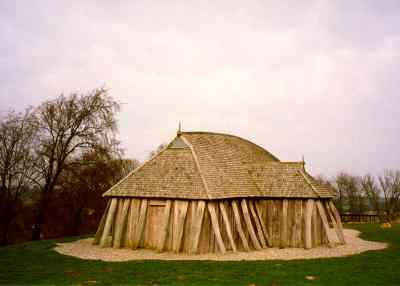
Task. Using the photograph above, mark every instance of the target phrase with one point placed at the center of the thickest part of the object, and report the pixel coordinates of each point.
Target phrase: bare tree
(390, 185)
(16, 137)
(68, 126)
(350, 197)
(86, 179)
(372, 192)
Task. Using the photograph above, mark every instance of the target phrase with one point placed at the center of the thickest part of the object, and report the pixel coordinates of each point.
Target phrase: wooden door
(153, 223)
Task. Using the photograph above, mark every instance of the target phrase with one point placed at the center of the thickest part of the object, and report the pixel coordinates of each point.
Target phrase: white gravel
(84, 249)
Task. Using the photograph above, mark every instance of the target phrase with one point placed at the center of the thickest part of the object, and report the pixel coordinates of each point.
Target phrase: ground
(38, 263)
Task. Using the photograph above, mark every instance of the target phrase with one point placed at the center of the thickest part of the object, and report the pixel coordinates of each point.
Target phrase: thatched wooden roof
(205, 165)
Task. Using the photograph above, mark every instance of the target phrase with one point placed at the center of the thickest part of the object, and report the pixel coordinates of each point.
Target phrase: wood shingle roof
(205, 165)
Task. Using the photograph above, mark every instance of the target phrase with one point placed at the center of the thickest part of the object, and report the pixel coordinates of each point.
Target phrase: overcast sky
(320, 79)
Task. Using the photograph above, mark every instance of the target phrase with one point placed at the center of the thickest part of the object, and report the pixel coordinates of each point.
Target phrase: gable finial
(179, 129)
(303, 162)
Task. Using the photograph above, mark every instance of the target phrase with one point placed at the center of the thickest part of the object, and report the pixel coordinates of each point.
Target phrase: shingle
(231, 167)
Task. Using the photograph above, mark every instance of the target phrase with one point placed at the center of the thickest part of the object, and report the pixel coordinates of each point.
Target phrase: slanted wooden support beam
(215, 226)
(247, 219)
(101, 224)
(180, 211)
(307, 224)
(259, 212)
(196, 226)
(109, 221)
(133, 220)
(120, 224)
(258, 225)
(164, 225)
(335, 218)
(137, 236)
(325, 224)
(284, 224)
(227, 225)
(239, 228)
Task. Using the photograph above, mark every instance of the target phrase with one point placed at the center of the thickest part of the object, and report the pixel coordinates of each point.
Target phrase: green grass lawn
(38, 263)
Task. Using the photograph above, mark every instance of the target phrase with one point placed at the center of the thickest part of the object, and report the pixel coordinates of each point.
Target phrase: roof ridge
(231, 135)
(137, 169)
(308, 182)
(196, 160)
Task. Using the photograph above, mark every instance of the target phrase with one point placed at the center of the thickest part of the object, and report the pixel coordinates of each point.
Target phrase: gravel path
(84, 249)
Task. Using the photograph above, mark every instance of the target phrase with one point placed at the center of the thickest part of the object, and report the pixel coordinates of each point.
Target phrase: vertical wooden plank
(116, 219)
(338, 221)
(180, 211)
(170, 233)
(100, 229)
(238, 223)
(250, 229)
(205, 233)
(258, 225)
(109, 221)
(125, 232)
(120, 224)
(215, 226)
(314, 228)
(196, 226)
(276, 222)
(270, 219)
(165, 225)
(227, 225)
(324, 221)
(133, 220)
(284, 224)
(307, 222)
(260, 210)
(140, 224)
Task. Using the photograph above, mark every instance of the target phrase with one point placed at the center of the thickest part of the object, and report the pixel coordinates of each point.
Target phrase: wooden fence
(369, 218)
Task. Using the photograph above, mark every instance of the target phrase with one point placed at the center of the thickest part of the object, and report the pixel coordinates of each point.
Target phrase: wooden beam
(109, 221)
(284, 224)
(335, 223)
(196, 226)
(247, 219)
(337, 216)
(120, 224)
(262, 222)
(137, 236)
(258, 225)
(133, 220)
(215, 226)
(164, 225)
(239, 228)
(325, 224)
(314, 227)
(100, 229)
(227, 225)
(307, 224)
(180, 211)
(125, 232)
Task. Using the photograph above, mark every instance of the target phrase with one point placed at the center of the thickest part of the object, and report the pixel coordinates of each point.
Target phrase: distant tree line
(361, 194)
(56, 160)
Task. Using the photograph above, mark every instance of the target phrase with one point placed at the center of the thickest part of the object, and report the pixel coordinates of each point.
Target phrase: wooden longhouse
(210, 192)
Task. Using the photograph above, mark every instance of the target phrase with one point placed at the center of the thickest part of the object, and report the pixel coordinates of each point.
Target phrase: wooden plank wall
(217, 226)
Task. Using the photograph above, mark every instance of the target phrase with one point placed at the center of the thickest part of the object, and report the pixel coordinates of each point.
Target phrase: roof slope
(205, 165)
